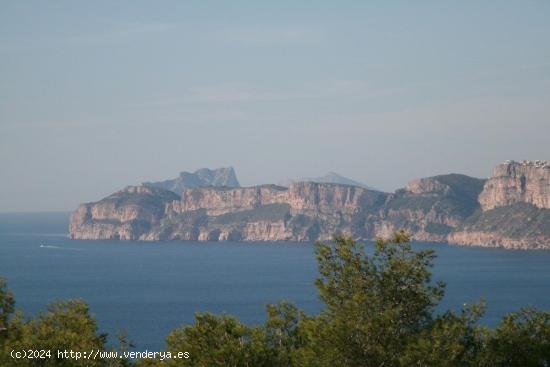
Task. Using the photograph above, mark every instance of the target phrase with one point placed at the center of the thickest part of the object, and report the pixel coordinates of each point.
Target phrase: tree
(451, 340)
(223, 341)
(521, 339)
(213, 341)
(64, 326)
(282, 335)
(7, 305)
(374, 305)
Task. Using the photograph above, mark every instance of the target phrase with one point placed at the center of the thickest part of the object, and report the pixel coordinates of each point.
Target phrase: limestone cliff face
(427, 186)
(509, 210)
(515, 182)
(494, 239)
(303, 197)
(326, 198)
(430, 208)
(126, 214)
(304, 211)
(515, 209)
(217, 201)
(517, 226)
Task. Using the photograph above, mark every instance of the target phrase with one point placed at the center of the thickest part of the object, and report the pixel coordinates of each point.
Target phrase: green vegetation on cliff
(514, 221)
(269, 212)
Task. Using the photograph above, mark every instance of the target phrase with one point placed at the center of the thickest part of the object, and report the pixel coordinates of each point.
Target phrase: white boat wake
(60, 248)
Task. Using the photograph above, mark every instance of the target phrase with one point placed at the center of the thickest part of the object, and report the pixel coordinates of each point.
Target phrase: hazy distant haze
(98, 95)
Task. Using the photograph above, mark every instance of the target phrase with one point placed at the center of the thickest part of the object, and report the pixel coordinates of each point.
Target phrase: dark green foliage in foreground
(379, 311)
(64, 326)
(372, 309)
(7, 303)
(224, 341)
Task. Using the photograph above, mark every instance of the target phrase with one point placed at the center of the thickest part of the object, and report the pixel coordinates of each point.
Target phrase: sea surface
(149, 288)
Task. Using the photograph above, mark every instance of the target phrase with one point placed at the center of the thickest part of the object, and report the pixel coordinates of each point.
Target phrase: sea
(147, 289)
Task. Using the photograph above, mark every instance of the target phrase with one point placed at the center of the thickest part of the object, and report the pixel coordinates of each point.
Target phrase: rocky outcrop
(127, 214)
(516, 226)
(220, 200)
(509, 210)
(514, 209)
(204, 177)
(304, 211)
(493, 239)
(427, 186)
(430, 208)
(517, 182)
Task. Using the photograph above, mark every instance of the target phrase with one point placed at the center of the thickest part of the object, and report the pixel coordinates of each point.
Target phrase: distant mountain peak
(330, 177)
(203, 177)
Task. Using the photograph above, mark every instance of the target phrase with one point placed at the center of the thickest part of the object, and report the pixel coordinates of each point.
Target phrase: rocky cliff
(507, 210)
(204, 177)
(303, 211)
(514, 209)
(517, 226)
(517, 182)
(430, 208)
(127, 214)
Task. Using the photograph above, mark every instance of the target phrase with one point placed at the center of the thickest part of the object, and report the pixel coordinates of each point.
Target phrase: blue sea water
(149, 288)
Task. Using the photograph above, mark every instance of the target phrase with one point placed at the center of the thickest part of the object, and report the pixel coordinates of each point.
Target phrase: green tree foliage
(7, 307)
(214, 341)
(379, 312)
(450, 340)
(282, 334)
(374, 304)
(224, 341)
(64, 326)
(521, 339)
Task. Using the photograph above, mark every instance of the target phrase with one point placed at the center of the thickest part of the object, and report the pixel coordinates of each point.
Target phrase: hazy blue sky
(97, 95)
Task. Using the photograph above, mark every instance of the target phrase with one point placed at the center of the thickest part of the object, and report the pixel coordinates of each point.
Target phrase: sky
(97, 95)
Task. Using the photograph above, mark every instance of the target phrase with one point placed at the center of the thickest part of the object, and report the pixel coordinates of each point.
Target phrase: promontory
(510, 209)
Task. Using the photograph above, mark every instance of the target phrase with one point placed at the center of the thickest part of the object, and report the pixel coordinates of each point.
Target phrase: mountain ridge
(330, 177)
(203, 177)
(452, 208)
